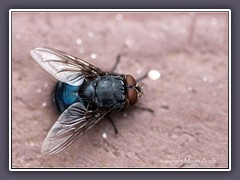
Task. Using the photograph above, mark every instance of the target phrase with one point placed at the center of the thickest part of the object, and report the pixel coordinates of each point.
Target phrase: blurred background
(189, 126)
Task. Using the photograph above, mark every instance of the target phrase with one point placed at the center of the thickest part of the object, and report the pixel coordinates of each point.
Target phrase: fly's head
(134, 91)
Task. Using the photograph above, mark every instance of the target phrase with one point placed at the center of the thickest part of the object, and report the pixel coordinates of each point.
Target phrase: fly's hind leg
(112, 123)
(116, 63)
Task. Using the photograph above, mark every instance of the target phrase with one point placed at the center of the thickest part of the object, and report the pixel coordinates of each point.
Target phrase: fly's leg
(116, 63)
(112, 123)
(142, 77)
(144, 109)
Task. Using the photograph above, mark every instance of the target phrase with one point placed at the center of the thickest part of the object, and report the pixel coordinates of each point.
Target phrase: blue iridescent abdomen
(66, 95)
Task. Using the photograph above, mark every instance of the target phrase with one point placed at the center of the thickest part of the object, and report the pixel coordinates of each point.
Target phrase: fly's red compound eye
(132, 96)
(131, 92)
(130, 80)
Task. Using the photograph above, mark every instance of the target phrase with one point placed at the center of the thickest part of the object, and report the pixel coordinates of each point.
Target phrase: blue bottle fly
(84, 95)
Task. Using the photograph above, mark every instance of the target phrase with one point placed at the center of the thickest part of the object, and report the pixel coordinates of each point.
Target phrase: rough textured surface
(189, 126)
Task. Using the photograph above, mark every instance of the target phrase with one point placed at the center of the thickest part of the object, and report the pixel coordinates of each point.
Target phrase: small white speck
(78, 41)
(139, 71)
(214, 21)
(125, 114)
(104, 135)
(93, 56)
(174, 136)
(31, 144)
(44, 104)
(81, 51)
(220, 86)
(154, 74)
(119, 17)
(45, 84)
(129, 43)
(204, 78)
(90, 34)
(39, 90)
(189, 88)
(165, 104)
(18, 36)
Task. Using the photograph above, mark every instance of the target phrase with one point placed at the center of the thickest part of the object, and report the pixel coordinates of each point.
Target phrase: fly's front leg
(116, 63)
(142, 77)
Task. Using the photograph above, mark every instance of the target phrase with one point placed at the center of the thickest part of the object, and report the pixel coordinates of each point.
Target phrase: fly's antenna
(142, 87)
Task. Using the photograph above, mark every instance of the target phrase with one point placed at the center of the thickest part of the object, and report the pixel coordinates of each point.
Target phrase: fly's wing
(64, 67)
(72, 123)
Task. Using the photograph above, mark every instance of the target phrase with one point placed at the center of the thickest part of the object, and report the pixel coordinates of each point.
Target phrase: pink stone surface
(189, 126)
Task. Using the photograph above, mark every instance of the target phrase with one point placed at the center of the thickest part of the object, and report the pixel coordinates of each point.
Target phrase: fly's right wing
(64, 67)
(72, 123)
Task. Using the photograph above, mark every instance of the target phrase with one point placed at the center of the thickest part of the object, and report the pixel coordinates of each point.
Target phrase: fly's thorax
(107, 91)
(133, 91)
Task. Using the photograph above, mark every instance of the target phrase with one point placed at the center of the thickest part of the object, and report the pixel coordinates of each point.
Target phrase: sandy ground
(189, 126)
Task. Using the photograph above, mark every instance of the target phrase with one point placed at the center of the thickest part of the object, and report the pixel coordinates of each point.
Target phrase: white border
(117, 10)
(10, 91)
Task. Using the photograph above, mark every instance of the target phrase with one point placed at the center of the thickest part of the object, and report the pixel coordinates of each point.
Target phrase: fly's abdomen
(65, 95)
(107, 91)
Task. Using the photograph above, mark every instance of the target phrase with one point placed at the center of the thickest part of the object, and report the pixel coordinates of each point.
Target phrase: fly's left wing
(64, 67)
(72, 123)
